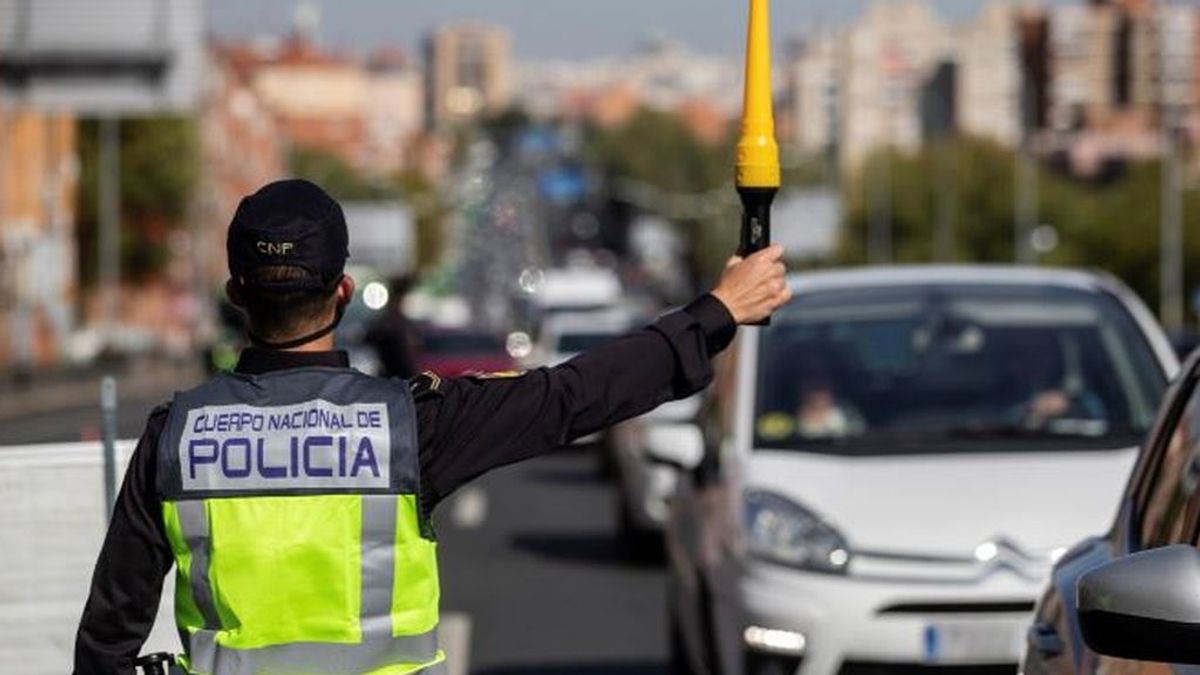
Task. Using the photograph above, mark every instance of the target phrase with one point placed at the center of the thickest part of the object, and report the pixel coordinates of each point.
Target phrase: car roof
(596, 321)
(1093, 281)
(891, 275)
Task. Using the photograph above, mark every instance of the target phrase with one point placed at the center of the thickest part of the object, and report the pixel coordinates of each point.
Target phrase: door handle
(1043, 637)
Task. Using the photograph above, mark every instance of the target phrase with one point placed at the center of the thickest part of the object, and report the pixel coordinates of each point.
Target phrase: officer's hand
(751, 288)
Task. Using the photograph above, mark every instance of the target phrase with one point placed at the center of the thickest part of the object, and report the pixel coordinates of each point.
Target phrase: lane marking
(469, 509)
(454, 638)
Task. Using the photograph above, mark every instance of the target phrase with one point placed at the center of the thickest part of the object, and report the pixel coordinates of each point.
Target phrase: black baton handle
(756, 224)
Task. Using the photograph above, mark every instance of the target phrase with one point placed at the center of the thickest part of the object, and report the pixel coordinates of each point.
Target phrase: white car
(888, 471)
(644, 484)
(565, 334)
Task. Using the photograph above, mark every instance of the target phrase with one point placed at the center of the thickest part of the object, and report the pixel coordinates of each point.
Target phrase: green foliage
(160, 168)
(656, 149)
(431, 214)
(345, 183)
(1112, 226)
(335, 176)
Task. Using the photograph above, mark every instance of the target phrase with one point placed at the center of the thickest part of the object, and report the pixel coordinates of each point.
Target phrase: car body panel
(1058, 606)
(1012, 495)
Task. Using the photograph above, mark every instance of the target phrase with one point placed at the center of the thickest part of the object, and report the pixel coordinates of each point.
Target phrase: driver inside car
(1051, 385)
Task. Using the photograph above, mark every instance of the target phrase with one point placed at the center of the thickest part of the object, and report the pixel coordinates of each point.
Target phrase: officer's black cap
(290, 223)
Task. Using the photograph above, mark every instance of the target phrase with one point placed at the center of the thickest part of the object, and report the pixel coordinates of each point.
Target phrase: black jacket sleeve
(472, 425)
(127, 582)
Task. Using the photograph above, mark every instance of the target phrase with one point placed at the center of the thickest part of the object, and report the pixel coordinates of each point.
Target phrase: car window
(462, 343)
(1172, 502)
(966, 367)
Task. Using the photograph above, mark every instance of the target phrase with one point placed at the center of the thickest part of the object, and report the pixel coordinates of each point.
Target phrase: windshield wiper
(1078, 429)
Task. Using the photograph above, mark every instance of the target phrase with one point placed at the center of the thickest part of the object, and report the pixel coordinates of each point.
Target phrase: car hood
(948, 504)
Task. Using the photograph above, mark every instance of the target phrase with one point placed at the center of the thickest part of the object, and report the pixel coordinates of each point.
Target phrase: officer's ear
(345, 290)
(234, 294)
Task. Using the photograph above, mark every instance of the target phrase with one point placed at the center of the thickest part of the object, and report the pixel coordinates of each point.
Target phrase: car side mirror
(1145, 606)
(679, 445)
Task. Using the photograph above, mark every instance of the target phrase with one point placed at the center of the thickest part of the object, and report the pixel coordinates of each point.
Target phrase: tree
(160, 168)
(686, 177)
(1111, 224)
(344, 183)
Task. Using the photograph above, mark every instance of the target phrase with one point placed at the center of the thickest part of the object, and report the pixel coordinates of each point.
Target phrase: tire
(678, 662)
(606, 465)
(641, 546)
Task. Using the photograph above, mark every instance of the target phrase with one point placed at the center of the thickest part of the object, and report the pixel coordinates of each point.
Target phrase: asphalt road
(541, 577)
(528, 557)
(77, 421)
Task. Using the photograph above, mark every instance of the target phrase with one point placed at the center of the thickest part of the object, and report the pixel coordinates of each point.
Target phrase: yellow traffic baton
(757, 173)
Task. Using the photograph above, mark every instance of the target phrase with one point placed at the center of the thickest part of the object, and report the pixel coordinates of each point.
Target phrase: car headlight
(782, 531)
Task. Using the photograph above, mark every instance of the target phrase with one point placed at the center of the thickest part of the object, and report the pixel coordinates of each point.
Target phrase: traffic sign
(101, 57)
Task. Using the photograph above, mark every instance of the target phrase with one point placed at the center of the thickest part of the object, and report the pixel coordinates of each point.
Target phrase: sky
(566, 29)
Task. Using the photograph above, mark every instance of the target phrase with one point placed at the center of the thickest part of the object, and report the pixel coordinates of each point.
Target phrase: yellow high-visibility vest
(291, 503)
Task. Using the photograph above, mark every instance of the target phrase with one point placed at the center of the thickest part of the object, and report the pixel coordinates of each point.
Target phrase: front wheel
(642, 546)
(679, 663)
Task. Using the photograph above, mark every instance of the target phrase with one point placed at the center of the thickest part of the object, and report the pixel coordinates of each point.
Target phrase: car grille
(757, 663)
(993, 607)
(868, 668)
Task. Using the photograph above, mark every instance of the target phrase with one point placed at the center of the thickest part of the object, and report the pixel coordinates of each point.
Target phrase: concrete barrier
(52, 523)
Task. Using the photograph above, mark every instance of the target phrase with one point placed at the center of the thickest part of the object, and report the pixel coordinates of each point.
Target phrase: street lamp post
(1025, 175)
(1171, 227)
(109, 239)
(1171, 300)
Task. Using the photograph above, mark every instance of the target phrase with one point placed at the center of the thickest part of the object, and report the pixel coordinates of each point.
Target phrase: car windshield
(922, 368)
(573, 343)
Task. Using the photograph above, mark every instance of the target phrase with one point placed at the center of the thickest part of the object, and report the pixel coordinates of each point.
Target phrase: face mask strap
(304, 339)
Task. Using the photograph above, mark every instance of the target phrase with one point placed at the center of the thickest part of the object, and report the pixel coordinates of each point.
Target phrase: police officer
(294, 495)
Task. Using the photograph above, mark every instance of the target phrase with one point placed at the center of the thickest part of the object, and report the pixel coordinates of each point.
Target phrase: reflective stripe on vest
(378, 651)
(304, 568)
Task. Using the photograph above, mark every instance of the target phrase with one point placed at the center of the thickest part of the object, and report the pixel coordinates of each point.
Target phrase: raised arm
(482, 423)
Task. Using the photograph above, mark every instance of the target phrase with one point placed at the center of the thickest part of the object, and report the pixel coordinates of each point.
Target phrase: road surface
(542, 578)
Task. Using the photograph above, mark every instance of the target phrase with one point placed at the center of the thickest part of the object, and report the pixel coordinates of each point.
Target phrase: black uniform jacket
(466, 426)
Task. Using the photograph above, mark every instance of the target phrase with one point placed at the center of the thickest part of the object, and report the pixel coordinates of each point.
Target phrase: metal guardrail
(52, 523)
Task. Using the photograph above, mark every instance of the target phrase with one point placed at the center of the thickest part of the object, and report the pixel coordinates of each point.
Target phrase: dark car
(1129, 600)
(450, 352)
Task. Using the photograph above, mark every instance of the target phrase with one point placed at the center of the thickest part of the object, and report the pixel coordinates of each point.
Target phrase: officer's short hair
(279, 315)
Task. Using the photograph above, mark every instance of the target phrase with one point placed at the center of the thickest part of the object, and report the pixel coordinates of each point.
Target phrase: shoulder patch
(498, 375)
(427, 383)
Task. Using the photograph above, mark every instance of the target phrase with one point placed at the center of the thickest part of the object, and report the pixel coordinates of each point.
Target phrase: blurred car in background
(451, 352)
(1159, 509)
(370, 297)
(645, 485)
(565, 334)
(575, 289)
(888, 471)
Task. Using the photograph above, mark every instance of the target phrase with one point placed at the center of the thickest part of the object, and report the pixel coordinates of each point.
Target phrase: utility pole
(879, 249)
(1171, 226)
(109, 239)
(1025, 176)
(945, 189)
(879, 243)
(1171, 300)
